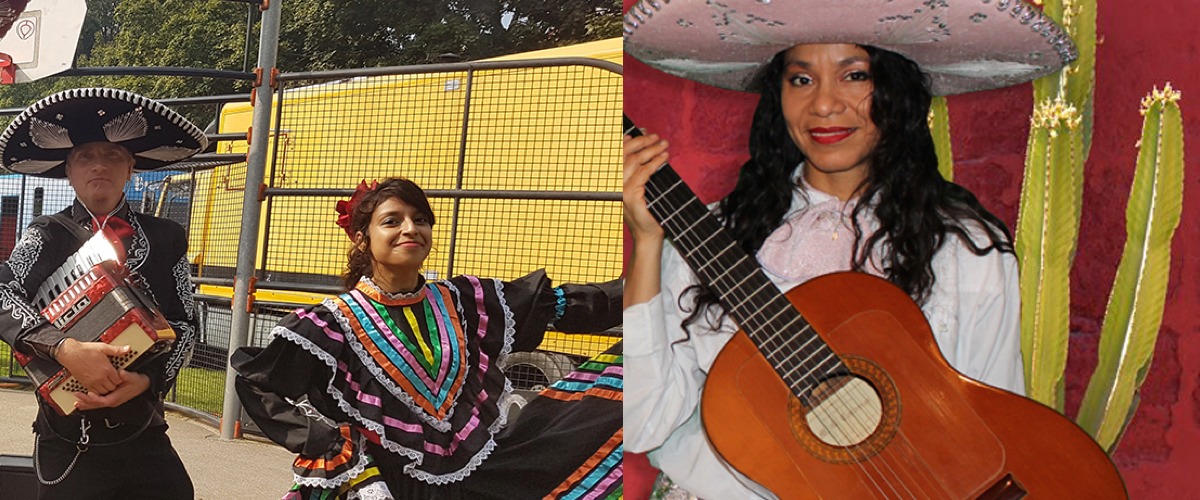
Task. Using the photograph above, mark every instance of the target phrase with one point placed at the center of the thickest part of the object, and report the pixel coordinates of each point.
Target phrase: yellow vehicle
(519, 123)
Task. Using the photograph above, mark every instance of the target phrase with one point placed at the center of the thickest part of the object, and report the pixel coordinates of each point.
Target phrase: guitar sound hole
(848, 418)
(843, 411)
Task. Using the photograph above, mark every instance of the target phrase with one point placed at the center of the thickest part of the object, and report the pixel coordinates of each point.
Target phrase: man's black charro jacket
(157, 253)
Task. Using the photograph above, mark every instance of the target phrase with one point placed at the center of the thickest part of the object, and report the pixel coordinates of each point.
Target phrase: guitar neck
(779, 332)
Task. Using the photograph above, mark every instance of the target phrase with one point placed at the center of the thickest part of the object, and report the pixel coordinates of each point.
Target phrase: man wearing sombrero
(848, 393)
(116, 445)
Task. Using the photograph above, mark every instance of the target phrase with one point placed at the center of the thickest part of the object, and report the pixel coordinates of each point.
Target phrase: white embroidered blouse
(973, 310)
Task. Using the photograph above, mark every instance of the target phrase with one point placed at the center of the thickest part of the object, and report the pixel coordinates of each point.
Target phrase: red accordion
(100, 305)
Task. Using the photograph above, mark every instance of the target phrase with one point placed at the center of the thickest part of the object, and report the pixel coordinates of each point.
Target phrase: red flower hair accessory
(345, 209)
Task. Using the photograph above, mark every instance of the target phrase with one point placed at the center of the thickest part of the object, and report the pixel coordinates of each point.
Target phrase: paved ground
(238, 469)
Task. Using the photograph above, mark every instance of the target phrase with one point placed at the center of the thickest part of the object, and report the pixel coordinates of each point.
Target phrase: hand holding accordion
(101, 304)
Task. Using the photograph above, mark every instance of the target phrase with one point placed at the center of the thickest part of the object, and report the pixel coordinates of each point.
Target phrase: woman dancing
(393, 389)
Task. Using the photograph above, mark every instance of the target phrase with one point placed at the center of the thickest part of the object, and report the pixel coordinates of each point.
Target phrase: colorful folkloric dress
(577, 420)
(401, 396)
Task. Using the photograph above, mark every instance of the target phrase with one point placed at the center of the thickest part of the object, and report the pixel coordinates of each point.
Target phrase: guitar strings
(839, 405)
(682, 234)
(704, 214)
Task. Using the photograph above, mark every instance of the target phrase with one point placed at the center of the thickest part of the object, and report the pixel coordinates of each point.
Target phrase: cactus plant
(1135, 307)
(1047, 235)
(939, 125)
(1047, 229)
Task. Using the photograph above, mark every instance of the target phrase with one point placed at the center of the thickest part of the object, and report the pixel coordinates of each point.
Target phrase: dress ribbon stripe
(602, 469)
(431, 358)
(404, 426)
(437, 339)
(335, 336)
(601, 478)
(611, 371)
(459, 436)
(402, 374)
(395, 348)
(453, 370)
(594, 392)
(483, 322)
(564, 385)
(393, 332)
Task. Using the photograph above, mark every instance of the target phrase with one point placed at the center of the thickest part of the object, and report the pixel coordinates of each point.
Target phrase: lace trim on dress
(456, 476)
(510, 324)
(502, 420)
(353, 412)
(340, 479)
(386, 380)
(373, 491)
(393, 298)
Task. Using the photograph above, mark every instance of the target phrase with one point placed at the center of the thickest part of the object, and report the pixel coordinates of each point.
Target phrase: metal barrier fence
(519, 160)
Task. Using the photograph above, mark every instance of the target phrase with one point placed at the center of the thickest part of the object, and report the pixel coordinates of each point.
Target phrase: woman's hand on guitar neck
(643, 156)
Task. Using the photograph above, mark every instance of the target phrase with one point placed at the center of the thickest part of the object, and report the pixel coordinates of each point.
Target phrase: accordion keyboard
(95, 250)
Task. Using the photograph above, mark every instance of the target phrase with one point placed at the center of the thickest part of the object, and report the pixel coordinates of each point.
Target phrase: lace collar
(370, 289)
(805, 197)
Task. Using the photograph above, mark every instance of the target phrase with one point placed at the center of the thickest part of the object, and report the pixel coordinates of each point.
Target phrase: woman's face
(401, 237)
(826, 99)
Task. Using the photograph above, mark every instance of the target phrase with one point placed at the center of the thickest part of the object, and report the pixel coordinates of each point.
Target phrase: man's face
(98, 172)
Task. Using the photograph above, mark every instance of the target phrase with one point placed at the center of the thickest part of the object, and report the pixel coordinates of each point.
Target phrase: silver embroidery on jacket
(181, 353)
(28, 249)
(12, 301)
(139, 247)
(183, 286)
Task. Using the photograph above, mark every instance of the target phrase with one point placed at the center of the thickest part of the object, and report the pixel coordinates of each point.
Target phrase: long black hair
(916, 207)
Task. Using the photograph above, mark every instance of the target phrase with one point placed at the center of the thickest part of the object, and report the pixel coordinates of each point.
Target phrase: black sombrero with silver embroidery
(38, 140)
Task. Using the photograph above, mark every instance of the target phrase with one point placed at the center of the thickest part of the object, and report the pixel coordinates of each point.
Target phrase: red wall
(1141, 46)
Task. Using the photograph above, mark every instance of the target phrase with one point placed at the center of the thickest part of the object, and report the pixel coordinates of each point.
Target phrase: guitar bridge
(1007, 488)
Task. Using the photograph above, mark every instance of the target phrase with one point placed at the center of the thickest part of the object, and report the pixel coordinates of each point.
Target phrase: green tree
(389, 32)
(315, 35)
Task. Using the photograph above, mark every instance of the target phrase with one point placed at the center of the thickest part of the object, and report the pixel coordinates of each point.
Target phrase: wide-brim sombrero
(38, 140)
(963, 45)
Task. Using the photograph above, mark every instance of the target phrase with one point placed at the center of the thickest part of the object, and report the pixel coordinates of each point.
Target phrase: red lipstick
(830, 135)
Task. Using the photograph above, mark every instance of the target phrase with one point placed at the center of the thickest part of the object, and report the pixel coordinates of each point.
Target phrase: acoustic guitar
(838, 390)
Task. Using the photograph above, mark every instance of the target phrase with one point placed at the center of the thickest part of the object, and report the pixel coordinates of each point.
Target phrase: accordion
(94, 300)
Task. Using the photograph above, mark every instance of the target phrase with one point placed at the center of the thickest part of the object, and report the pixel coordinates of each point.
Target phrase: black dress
(401, 396)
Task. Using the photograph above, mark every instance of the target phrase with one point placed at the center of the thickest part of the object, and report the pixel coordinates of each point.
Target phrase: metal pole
(20, 230)
(256, 163)
(249, 27)
(458, 177)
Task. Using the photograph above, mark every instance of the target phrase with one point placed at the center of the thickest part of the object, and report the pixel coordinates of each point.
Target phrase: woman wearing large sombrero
(842, 176)
(113, 444)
